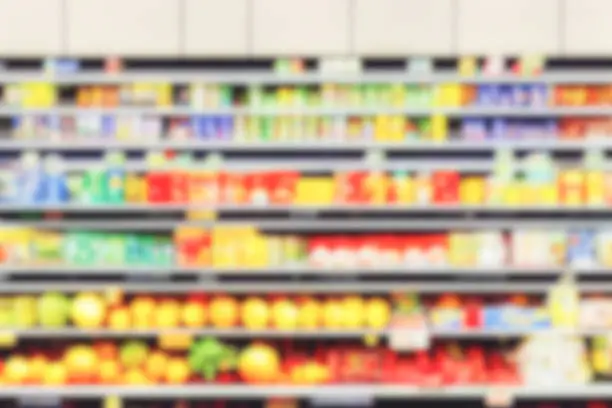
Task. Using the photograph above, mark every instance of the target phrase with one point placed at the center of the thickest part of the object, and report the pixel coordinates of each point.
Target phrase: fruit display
(446, 312)
(138, 363)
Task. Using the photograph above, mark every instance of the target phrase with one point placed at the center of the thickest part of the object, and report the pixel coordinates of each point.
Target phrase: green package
(80, 248)
(133, 250)
(267, 129)
(94, 186)
(114, 250)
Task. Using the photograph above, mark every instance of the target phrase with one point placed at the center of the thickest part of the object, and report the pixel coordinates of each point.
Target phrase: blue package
(197, 127)
(210, 127)
(31, 186)
(581, 248)
(108, 128)
(498, 129)
(227, 127)
(521, 95)
(488, 95)
(492, 317)
(474, 129)
(506, 95)
(539, 95)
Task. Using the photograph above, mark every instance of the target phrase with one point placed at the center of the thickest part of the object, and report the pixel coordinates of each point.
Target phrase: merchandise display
(140, 260)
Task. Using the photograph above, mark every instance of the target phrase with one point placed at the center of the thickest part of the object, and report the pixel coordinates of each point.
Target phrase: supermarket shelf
(266, 77)
(79, 333)
(520, 112)
(298, 208)
(489, 145)
(337, 392)
(294, 270)
(331, 286)
(321, 225)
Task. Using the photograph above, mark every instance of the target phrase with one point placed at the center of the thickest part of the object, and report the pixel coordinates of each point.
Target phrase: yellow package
(439, 128)
(382, 128)
(404, 189)
(472, 190)
(164, 95)
(595, 188)
(397, 126)
(135, 189)
(255, 252)
(315, 191)
(462, 249)
(376, 186)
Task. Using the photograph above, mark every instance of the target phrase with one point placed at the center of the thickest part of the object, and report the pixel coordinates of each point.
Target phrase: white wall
(304, 27)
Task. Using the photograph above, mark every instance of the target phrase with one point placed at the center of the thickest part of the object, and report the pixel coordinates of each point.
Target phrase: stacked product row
(246, 248)
(534, 180)
(449, 312)
(301, 126)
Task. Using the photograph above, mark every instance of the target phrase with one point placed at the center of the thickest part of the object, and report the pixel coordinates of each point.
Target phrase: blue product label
(493, 317)
(57, 189)
(210, 131)
(197, 127)
(488, 95)
(227, 127)
(108, 126)
(506, 95)
(498, 129)
(581, 247)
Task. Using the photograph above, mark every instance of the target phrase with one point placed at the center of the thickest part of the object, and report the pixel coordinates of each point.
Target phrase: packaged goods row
(393, 95)
(533, 180)
(302, 128)
(247, 248)
(533, 362)
(446, 312)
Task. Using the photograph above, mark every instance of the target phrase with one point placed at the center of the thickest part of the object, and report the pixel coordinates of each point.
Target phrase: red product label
(159, 187)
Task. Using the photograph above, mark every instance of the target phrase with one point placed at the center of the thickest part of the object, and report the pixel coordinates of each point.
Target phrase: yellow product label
(439, 128)
(255, 252)
(201, 215)
(472, 190)
(113, 401)
(8, 339)
(406, 190)
(596, 190)
(462, 250)
(549, 194)
(164, 95)
(315, 191)
(175, 341)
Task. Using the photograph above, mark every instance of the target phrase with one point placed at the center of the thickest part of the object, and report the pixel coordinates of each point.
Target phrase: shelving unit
(267, 236)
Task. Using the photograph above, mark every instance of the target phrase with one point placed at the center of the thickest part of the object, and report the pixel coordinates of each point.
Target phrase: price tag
(8, 340)
(409, 333)
(352, 400)
(113, 401)
(40, 402)
(201, 215)
(282, 403)
(499, 398)
(175, 341)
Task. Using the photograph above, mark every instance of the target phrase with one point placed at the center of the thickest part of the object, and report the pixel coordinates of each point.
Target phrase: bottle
(30, 186)
(115, 178)
(55, 181)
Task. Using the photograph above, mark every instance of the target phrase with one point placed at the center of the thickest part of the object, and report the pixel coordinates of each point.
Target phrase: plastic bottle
(30, 185)
(56, 185)
(115, 178)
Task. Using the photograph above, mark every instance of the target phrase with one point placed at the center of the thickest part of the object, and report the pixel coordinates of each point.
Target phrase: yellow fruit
(224, 312)
(88, 310)
(135, 376)
(285, 314)
(37, 367)
(377, 313)
(142, 312)
(259, 363)
(194, 314)
(333, 314)
(177, 371)
(55, 374)
(16, 370)
(309, 313)
(109, 372)
(81, 362)
(255, 313)
(354, 309)
(167, 314)
(119, 319)
(156, 365)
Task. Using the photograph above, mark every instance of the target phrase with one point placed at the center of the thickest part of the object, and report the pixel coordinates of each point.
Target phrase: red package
(445, 187)
(284, 186)
(159, 187)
